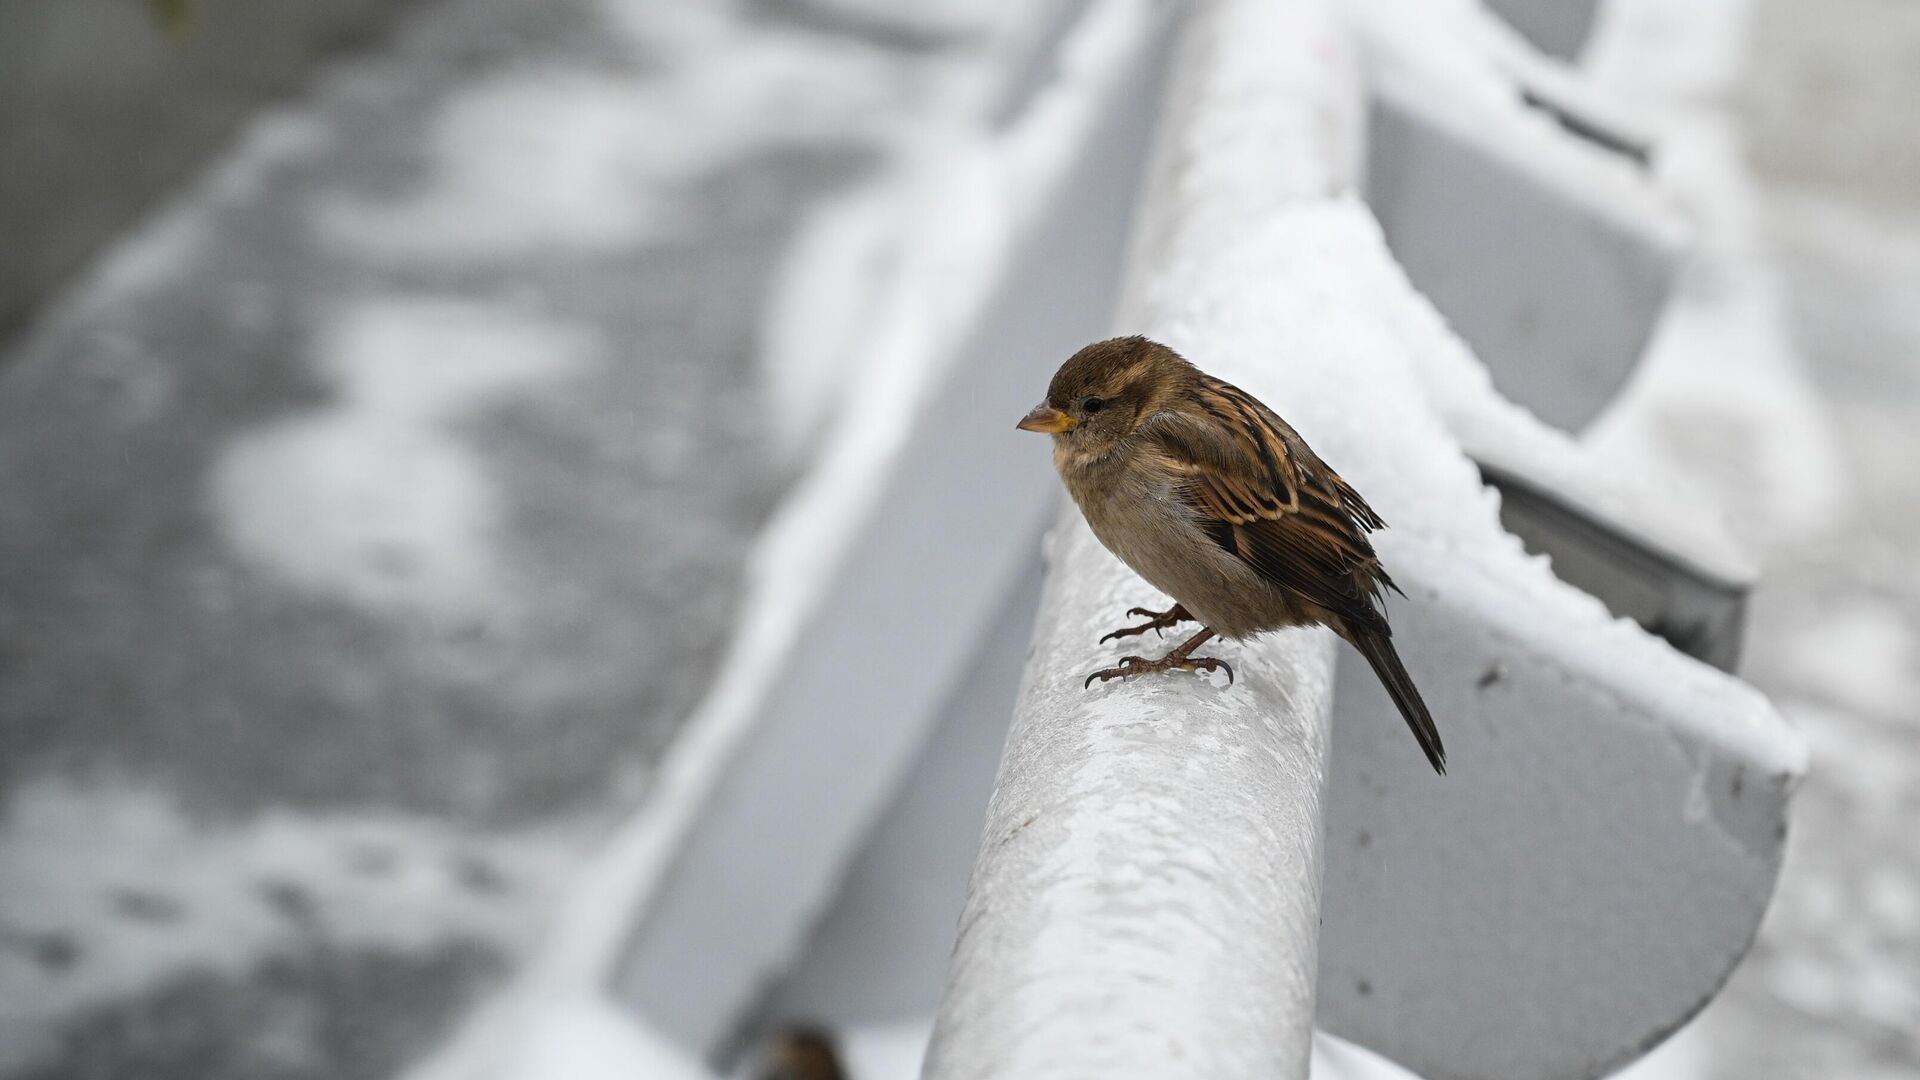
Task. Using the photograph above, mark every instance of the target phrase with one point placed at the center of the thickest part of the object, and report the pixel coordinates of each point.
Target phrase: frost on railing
(1147, 901)
(1177, 879)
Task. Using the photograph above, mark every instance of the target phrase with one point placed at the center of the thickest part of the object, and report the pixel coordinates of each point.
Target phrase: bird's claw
(1140, 665)
(1210, 664)
(1128, 665)
(1157, 621)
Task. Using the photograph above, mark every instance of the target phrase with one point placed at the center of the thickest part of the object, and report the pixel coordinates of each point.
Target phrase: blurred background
(391, 390)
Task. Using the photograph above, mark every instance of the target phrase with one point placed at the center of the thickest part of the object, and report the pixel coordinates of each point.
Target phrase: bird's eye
(1092, 404)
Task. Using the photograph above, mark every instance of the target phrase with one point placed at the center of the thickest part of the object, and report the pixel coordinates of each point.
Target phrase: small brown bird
(1217, 502)
(802, 1053)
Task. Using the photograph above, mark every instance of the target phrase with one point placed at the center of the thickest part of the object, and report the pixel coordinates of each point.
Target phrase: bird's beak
(1046, 420)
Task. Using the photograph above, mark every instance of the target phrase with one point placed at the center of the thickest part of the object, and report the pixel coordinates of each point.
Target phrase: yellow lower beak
(1046, 420)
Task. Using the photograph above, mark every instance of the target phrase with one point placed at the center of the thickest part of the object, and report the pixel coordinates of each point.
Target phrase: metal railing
(1147, 899)
(1147, 896)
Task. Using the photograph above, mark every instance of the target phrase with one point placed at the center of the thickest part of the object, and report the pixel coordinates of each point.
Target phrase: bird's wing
(1264, 497)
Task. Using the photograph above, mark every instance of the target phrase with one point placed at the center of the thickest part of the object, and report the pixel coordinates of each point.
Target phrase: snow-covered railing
(1147, 899)
(1147, 896)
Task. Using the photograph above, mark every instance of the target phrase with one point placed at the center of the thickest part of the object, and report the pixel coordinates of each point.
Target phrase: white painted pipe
(1146, 901)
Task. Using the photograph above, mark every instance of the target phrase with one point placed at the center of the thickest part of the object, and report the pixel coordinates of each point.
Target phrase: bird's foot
(1173, 661)
(1157, 621)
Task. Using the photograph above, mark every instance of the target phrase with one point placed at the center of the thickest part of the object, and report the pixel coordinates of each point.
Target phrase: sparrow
(1218, 503)
(802, 1053)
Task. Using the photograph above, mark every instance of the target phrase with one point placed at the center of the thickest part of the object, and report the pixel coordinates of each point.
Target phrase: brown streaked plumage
(1217, 502)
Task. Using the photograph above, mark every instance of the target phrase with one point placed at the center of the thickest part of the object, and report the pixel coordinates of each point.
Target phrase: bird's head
(1104, 392)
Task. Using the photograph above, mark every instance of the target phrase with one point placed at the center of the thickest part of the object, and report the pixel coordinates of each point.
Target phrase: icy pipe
(1146, 900)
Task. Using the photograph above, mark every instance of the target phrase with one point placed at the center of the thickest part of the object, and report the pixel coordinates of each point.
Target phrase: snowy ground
(1810, 453)
(1833, 986)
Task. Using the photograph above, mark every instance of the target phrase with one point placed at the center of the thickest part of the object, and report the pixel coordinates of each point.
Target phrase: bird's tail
(1377, 646)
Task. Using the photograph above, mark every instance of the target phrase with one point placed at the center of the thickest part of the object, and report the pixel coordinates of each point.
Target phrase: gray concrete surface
(106, 104)
(370, 515)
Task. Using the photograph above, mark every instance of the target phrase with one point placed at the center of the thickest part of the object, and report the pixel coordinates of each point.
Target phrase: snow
(1572, 249)
(376, 497)
(1496, 432)
(873, 288)
(1464, 65)
(884, 277)
(1719, 405)
(593, 159)
(586, 1037)
(885, 1052)
(1864, 653)
(1569, 675)
(139, 891)
(825, 290)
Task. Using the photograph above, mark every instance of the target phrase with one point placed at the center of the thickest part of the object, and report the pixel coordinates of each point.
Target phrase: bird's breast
(1140, 517)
